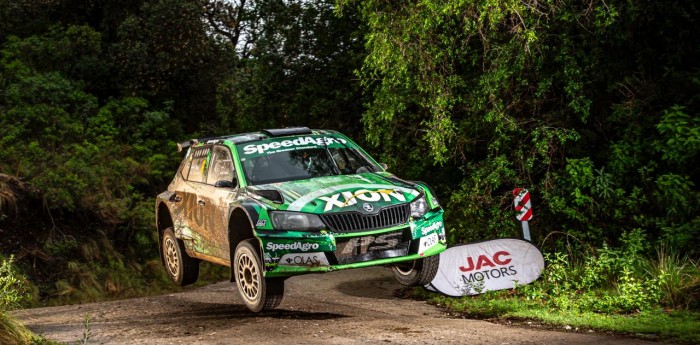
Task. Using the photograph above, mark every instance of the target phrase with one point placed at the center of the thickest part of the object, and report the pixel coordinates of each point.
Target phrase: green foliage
(163, 50)
(680, 327)
(614, 281)
(297, 71)
(86, 331)
(582, 103)
(14, 333)
(97, 153)
(13, 286)
(680, 136)
(13, 294)
(609, 289)
(680, 288)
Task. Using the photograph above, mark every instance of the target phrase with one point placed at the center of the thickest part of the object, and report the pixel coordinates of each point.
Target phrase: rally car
(283, 202)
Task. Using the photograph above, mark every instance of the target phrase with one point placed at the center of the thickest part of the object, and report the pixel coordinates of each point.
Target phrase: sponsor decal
(344, 199)
(261, 223)
(269, 259)
(304, 259)
(311, 197)
(368, 207)
(432, 227)
(291, 144)
(304, 247)
(365, 244)
(487, 266)
(427, 242)
(498, 258)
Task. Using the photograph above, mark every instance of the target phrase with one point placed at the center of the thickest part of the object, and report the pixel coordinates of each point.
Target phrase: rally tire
(274, 293)
(417, 272)
(180, 267)
(258, 293)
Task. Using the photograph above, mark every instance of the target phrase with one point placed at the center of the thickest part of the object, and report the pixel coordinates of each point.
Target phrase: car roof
(256, 136)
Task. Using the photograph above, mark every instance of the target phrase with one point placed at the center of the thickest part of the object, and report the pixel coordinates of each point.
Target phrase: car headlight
(419, 207)
(282, 220)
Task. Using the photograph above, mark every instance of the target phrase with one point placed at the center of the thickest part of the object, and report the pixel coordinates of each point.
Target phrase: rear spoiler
(186, 144)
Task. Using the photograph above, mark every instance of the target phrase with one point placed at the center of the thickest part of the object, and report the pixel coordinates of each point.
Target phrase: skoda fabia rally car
(285, 202)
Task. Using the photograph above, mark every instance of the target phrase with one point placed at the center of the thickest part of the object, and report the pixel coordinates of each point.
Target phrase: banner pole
(526, 231)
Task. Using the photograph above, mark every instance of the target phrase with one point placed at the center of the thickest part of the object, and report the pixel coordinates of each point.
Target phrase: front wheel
(258, 293)
(181, 268)
(416, 272)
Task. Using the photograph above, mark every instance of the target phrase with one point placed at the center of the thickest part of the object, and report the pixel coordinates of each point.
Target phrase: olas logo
(343, 199)
(303, 141)
(304, 259)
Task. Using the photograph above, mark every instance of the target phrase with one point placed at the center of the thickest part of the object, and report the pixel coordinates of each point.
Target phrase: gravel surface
(346, 307)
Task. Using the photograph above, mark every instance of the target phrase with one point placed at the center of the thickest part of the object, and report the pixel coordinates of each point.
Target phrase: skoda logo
(368, 207)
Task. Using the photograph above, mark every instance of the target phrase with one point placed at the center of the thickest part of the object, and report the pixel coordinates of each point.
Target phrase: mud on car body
(284, 202)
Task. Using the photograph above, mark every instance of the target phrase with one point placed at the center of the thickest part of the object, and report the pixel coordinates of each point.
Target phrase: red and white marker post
(523, 209)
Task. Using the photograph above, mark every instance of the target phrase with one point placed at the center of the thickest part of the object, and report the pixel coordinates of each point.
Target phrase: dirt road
(347, 307)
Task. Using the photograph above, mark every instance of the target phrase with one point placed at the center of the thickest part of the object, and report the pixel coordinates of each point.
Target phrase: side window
(198, 165)
(185, 168)
(221, 165)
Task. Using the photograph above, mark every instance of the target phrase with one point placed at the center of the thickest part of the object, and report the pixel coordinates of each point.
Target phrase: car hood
(365, 193)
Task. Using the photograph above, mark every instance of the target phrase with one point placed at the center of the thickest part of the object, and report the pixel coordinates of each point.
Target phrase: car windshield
(303, 164)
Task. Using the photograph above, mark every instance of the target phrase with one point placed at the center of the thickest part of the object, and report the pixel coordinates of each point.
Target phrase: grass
(677, 326)
(14, 333)
(97, 272)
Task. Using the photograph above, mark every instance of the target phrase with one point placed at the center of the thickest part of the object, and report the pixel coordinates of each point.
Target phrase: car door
(213, 199)
(193, 179)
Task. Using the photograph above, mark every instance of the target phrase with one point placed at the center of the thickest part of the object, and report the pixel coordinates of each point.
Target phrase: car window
(198, 165)
(185, 168)
(288, 166)
(347, 160)
(221, 165)
(297, 158)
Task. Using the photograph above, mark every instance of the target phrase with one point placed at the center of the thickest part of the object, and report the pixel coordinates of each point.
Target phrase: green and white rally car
(291, 201)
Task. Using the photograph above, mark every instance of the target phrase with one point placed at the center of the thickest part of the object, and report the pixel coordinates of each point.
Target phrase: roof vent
(280, 132)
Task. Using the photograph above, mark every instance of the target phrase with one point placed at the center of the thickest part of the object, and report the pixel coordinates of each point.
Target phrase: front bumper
(288, 253)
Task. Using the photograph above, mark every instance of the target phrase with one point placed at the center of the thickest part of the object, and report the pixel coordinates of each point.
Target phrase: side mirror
(384, 166)
(226, 184)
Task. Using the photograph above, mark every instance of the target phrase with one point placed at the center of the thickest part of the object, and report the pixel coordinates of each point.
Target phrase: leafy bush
(680, 288)
(13, 286)
(13, 294)
(617, 280)
(509, 97)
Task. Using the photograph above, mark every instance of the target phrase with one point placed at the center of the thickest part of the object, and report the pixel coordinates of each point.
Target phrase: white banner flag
(475, 268)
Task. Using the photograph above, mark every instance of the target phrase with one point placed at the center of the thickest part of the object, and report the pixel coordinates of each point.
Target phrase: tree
(165, 54)
(295, 68)
(565, 98)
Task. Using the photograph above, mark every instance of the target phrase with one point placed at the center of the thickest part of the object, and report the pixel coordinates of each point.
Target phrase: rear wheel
(416, 272)
(181, 268)
(258, 293)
